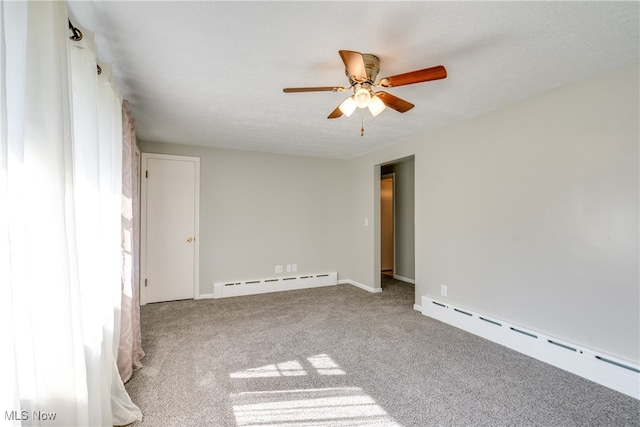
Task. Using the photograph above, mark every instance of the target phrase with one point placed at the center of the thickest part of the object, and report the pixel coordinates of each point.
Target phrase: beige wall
(260, 210)
(528, 213)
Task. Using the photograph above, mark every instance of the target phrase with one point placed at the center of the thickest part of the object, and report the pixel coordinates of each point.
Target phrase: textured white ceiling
(212, 73)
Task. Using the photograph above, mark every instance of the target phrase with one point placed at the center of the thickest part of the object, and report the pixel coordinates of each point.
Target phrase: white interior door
(169, 232)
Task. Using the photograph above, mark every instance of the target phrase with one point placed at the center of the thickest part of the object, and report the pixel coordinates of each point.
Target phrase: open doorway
(397, 221)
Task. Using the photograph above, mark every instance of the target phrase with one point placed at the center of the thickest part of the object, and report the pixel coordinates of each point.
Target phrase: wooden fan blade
(313, 89)
(394, 102)
(354, 63)
(335, 113)
(419, 76)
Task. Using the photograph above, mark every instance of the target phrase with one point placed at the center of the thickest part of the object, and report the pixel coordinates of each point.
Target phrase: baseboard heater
(609, 371)
(275, 284)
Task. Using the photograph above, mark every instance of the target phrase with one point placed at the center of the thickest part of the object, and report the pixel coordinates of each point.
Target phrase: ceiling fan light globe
(348, 106)
(362, 97)
(376, 106)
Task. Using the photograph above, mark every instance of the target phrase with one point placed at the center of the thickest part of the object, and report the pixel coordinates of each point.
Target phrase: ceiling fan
(362, 70)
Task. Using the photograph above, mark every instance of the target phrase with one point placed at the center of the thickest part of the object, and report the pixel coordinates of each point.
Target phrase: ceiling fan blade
(313, 89)
(354, 63)
(394, 102)
(419, 76)
(335, 113)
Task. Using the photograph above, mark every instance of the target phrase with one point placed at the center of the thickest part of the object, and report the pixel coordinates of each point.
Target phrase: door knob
(189, 239)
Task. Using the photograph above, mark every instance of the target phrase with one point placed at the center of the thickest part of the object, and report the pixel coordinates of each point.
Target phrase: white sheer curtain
(60, 187)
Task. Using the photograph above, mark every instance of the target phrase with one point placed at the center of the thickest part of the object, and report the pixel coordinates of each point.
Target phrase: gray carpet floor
(340, 356)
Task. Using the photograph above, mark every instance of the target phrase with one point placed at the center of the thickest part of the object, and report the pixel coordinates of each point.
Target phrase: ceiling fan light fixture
(362, 97)
(376, 106)
(362, 71)
(348, 106)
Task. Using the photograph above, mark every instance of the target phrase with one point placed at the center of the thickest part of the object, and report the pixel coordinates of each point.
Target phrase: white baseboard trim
(609, 371)
(404, 279)
(276, 284)
(204, 296)
(360, 285)
(417, 307)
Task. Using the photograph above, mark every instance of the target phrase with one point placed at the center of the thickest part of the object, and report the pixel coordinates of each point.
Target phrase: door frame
(143, 220)
(377, 223)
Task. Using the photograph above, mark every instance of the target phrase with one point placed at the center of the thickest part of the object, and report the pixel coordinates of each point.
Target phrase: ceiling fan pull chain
(362, 129)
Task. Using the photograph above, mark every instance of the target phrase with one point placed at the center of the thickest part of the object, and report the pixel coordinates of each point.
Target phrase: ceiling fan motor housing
(371, 66)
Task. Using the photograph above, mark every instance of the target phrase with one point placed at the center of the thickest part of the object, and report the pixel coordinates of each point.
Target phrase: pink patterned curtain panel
(130, 350)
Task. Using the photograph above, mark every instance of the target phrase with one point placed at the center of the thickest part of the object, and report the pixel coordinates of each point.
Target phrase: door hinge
(146, 174)
(145, 282)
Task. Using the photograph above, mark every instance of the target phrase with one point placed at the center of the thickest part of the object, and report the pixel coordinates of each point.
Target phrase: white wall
(260, 210)
(528, 213)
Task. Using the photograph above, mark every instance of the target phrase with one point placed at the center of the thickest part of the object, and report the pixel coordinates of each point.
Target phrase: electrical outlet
(288, 268)
(443, 290)
(278, 269)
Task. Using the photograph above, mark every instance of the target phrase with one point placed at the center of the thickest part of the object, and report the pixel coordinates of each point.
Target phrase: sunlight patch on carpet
(321, 364)
(332, 406)
(336, 406)
(324, 365)
(292, 368)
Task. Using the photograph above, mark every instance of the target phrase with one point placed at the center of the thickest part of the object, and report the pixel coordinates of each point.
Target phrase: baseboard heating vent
(622, 365)
(529, 334)
(493, 322)
(609, 371)
(568, 347)
(275, 284)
